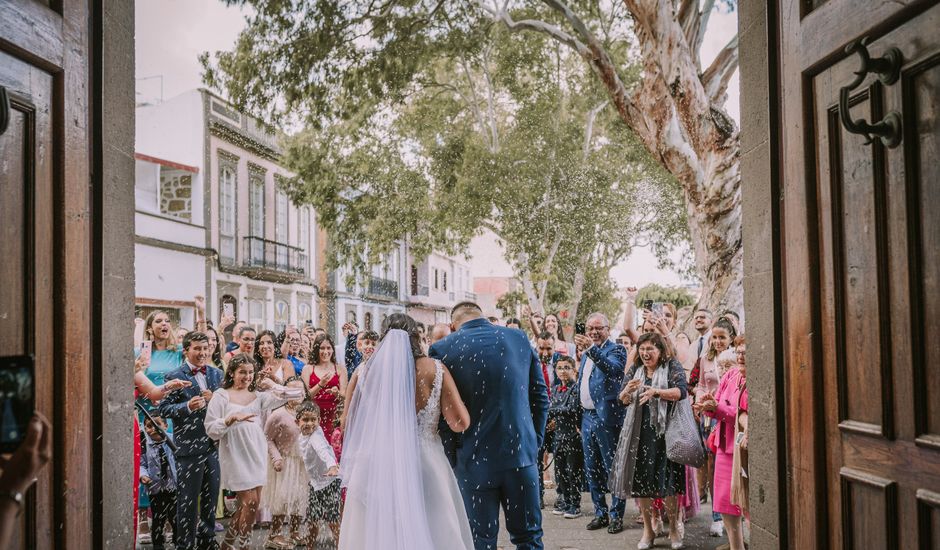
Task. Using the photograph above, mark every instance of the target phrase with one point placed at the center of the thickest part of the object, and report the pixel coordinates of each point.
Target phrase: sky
(172, 33)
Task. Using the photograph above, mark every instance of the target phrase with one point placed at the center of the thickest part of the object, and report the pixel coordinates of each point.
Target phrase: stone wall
(756, 24)
(176, 192)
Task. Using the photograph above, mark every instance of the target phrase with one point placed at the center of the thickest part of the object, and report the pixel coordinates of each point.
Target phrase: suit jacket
(499, 377)
(189, 431)
(565, 409)
(606, 381)
(150, 466)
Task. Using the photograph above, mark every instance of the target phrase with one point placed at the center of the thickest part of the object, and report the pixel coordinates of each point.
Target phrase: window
(256, 314)
(256, 218)
(281, 315)
(414, 280)
(445, 282)
(368, 321)
(145, 186)
(351, 316)
(304, 237)
(280, 228)
(227, 185)
(437, 286)
(304, 313)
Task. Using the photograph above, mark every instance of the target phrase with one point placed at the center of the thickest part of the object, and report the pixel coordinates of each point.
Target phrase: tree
(676, 110)
(474, 127)
(675, 295)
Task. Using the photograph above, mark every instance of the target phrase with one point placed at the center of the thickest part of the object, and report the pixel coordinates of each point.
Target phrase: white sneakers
(717, 529)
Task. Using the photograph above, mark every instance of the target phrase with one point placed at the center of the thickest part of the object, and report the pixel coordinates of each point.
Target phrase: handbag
(712, 441)
(683, 440)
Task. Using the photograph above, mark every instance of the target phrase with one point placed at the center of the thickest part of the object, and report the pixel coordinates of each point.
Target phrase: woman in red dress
(326, 380)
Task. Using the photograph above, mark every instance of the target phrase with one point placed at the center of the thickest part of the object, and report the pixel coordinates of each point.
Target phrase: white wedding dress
(415, 503)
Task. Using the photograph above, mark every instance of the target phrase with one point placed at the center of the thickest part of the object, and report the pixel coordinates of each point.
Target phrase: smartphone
(146, 348)
(228, 309)
(17, 399)
(647, 304)
(657, 308)
(579, 328)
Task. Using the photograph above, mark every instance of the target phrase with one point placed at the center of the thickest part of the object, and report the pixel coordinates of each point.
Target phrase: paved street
(570, 534)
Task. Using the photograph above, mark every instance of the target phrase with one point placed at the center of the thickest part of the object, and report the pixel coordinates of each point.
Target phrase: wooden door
(45, 306)
(860, 255)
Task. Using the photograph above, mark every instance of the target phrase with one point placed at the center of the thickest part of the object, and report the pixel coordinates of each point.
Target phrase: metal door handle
(888, 69)
(4, 110)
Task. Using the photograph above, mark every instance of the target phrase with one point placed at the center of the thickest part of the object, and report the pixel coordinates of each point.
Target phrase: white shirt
(318, 458)
(200, 377)
(704, 338)
(586, 401)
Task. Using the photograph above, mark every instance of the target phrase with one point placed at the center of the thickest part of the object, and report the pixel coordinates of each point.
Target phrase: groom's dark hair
(468, 306)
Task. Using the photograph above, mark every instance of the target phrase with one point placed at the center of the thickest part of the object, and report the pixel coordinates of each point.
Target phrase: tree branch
(701, 27)
(715, 79)
(589, 129)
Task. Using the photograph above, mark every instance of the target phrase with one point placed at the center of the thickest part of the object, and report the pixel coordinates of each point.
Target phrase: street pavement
(570, 534)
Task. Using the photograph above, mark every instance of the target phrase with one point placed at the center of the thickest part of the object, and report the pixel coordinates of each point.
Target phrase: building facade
(435, 285)
(369, 299)
(213, 220)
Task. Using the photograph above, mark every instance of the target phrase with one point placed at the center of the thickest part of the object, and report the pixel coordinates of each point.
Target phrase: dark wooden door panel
(862, 241)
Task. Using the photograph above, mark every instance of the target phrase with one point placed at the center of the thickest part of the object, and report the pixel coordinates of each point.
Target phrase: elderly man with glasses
(599, 381)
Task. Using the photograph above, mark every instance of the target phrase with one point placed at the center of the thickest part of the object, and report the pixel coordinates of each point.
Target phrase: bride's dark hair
(406, 323)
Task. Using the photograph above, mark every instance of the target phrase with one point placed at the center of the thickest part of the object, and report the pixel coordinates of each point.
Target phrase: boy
(321, 466)
(564, 418)
(365, 344)
(158, 473)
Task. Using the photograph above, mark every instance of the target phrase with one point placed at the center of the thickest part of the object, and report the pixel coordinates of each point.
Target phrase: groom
(500, 379)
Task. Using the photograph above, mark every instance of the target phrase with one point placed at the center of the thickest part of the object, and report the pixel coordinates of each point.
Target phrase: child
(285, 493)
(365, 344)
(564, 419)
(321, 466)
(158, 473)
(336, 440)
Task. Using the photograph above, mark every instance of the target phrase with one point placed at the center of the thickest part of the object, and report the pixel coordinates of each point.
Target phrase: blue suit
(499, 377)
(600, 426)
(197, 461)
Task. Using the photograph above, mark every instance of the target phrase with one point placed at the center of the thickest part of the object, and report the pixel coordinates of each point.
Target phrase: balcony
(270, 258)
(470, 296)
(420, 290)
(385, 288)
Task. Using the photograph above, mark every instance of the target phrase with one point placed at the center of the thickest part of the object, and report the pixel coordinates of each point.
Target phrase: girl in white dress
(401, 491)
(232, 420)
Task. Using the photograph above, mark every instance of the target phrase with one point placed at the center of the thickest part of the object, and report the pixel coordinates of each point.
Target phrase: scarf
(624, 463)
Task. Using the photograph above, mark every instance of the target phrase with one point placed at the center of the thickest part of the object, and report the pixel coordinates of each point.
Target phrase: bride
(401, 493)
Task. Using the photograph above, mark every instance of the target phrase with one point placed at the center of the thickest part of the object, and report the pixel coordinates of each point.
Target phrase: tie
(199, 370)
(701, 344)
(548, 384)
(164, 463)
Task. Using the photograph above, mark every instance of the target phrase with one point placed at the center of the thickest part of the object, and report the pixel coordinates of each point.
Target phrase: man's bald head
(439, 332)
(463, 312)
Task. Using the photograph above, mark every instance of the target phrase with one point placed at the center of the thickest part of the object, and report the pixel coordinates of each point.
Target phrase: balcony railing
(274, 256)
(470, 296)
(383, 287)
(420, 290)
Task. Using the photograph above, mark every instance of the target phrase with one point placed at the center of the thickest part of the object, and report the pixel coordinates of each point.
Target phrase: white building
(436, 284)
(368, 301)
(212, 219)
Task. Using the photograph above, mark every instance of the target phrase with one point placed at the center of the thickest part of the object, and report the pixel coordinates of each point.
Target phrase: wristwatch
(15, 496)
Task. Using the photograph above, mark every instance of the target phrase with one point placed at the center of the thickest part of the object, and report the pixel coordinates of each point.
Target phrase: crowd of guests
(611, 402)
(253, 421)
(257, 421)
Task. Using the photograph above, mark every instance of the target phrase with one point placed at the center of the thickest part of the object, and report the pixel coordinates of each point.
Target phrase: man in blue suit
(599, 381)
(197, 457)
(500, 379)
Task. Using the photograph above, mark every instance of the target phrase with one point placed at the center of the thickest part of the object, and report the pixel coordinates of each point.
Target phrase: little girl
(230, 420)
(285, 494)
(321, 466)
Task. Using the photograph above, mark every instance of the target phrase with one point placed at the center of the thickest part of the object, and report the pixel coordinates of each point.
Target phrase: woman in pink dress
(728, 401)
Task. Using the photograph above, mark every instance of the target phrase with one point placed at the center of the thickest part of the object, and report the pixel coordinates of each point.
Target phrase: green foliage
(423, 119)
(676, 295)
(508, 303)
